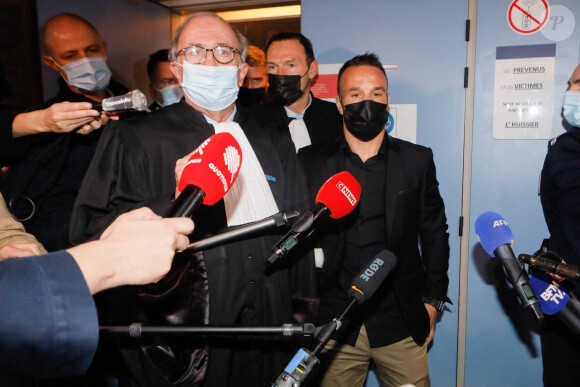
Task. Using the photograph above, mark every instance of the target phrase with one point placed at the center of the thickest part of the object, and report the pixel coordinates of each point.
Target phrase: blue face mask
(89, 75)
(571, 107)
(171, 94)
(211, 87)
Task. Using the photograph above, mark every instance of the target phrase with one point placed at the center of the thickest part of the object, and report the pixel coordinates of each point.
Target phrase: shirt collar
(299, 116)
(382, 149)
(211, 121)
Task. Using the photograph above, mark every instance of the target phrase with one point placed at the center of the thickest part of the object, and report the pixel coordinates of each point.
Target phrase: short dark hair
(367, 59)
(303, 40)
(154, 59)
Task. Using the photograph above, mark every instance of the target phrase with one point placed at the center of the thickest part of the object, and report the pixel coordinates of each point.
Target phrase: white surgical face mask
(171, 94)
(211, 87)
(571, 107)
(89, 75)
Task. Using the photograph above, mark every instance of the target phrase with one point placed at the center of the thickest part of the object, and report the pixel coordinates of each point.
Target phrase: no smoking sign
(528, 16)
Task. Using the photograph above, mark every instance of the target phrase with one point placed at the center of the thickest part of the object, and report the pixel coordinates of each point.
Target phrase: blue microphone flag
(549, 292)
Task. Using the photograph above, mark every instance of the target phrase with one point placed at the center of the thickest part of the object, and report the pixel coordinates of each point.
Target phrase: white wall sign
(524, 92)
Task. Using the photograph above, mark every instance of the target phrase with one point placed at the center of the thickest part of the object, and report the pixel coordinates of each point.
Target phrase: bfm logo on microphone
(346, 192)
(373, 268)
(553, 293)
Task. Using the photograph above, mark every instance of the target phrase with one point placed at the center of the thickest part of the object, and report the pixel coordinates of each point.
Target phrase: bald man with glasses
(137, 164)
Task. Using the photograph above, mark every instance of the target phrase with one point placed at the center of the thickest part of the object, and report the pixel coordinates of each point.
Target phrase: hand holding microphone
(206, 175)
(561, 269)
(496, 238)
(108, 108)
(337, 197)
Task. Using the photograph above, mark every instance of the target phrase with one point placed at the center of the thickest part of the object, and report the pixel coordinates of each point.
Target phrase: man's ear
(177, 71)
(152, 91)
(243, 70)
(339, 105)
(50, 63)
(313, 71)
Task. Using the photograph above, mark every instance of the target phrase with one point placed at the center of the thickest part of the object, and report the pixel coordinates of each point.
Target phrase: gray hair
(242, 41)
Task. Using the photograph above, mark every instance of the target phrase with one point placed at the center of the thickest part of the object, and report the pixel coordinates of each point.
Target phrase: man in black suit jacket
(559, 192)
(292, 107)
(401, 210)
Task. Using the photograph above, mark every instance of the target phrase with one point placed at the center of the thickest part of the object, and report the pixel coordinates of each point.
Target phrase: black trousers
(560, 354)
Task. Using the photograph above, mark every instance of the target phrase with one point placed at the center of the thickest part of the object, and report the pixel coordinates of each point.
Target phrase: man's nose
(210, 59)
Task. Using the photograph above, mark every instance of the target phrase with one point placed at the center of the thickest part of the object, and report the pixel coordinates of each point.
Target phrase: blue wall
(501, 337)
(427, 42)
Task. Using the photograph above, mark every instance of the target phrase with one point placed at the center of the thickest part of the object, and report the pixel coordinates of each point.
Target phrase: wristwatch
(437, 304)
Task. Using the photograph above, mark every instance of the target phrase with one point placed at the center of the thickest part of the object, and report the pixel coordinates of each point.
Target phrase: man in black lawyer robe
(292, 108)
(134, 166)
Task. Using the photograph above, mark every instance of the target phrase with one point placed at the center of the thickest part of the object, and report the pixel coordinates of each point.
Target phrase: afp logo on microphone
(499, 223)
(372, 269)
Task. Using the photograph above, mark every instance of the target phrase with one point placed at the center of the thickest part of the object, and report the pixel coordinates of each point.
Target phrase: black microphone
(278, 220)
(336, 198)
(563, 270)
(554, 300)
(132, 101)
(209, 174)
(496, 238)
(364, 285)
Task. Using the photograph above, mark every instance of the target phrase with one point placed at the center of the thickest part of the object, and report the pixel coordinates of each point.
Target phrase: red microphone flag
(340, 194)
(213, 167)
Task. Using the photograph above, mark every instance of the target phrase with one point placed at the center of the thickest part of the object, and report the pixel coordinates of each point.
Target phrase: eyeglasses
(197, 55)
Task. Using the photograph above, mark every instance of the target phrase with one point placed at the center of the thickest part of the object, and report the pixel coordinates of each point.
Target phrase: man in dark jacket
(135, 165)
(55, 143)
(560, 192)
(163, 85)
(400, 210)
(293, 109)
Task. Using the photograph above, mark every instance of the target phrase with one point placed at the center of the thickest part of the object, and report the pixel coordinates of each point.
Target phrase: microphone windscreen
(213, 167)
(549, 292)
(366, 283)
(340, 194)
(492, 231)
(133, 100)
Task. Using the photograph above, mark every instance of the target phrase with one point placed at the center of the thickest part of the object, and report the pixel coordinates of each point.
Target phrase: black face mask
(365, 119)
(285, 89)
(249, 97)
